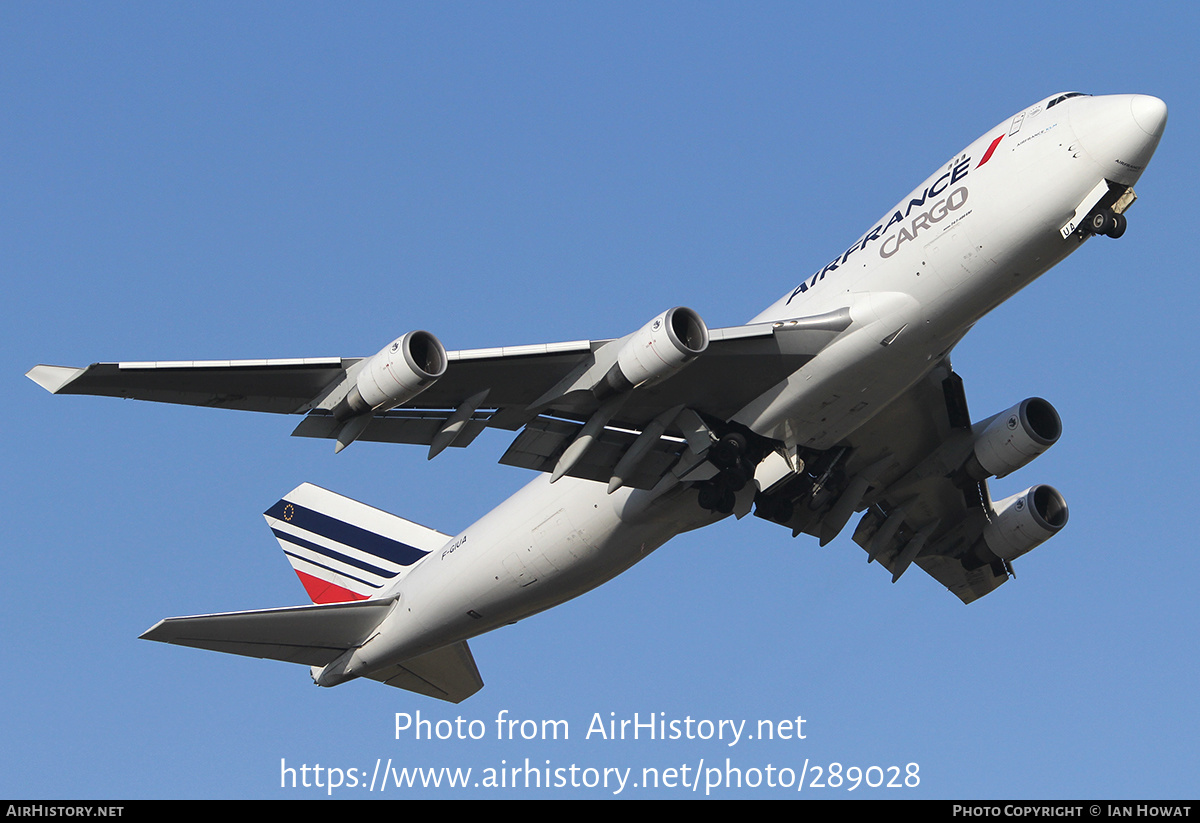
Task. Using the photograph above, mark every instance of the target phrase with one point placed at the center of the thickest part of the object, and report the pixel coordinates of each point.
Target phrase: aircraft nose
(1119, 132)
(1150, 113)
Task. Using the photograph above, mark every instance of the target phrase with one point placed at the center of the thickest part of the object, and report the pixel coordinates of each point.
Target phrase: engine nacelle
(399, 372)
(1025, 521)
(1014, 438)
(658, 349)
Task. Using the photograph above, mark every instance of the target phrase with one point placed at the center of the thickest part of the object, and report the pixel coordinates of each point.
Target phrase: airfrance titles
(928, 216)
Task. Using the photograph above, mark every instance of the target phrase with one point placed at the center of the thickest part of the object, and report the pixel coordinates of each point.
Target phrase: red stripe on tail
(322, 591)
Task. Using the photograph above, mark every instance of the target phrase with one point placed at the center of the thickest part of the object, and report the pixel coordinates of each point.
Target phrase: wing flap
(542, 442)
(967, 585)
(941, 560)
(417, 427)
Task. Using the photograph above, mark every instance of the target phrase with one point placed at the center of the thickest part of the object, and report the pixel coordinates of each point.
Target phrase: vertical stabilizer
(343, 550)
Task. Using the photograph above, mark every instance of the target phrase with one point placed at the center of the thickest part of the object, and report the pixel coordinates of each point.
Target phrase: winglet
(53, 378)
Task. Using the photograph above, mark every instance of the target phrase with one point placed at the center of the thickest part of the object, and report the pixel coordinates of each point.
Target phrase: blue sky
(266, 180)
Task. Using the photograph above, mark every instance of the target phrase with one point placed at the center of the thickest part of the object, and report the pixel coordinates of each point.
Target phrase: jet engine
(1013, 438)
(396, 374)
(1025, 521)
(657, 350)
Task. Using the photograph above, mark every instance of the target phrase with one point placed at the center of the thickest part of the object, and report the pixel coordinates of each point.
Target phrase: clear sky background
(282, 180)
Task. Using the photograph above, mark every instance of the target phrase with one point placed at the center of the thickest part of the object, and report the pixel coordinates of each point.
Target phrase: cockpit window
(1063, 97)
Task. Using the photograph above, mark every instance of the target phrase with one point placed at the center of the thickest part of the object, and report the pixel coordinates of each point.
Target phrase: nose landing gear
(1107, 222)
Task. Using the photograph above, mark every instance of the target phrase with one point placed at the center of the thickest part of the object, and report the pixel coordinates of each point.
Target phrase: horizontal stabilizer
(448, 674)
(318, 635)
(311, 635)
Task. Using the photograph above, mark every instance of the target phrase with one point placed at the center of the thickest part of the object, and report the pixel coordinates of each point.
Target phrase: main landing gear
(729, 454)
(1106, 222)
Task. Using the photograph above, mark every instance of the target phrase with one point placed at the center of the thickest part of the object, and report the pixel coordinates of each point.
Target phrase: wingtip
(150, 633)
(53, 378)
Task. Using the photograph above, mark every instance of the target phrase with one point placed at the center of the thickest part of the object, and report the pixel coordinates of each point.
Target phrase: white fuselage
(977, 231)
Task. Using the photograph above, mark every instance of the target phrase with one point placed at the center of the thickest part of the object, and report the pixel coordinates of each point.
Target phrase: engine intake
(1013, 438)
(657, 350)
(396, 374)
(1025, 521)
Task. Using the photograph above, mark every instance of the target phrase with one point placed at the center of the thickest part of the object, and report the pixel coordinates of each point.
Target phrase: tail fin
(343, 550)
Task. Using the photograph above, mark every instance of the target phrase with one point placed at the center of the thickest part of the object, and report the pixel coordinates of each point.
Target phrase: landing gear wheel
(1118, 227)
(710, 496)
(1102, 222)
(728, 500)
(728, 451)
(716, 496)
(774, 509)
(736, 476)
(783, 512)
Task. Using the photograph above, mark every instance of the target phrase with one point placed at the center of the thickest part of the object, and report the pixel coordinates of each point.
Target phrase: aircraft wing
(548, 392)
(905, 470)
(281, 386)
(943, 514)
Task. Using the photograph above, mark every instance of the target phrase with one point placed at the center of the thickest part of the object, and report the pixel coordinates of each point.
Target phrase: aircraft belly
(566, 539)
(848, 382)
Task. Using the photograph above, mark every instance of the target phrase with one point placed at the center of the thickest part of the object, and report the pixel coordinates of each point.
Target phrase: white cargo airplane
(838, 398)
